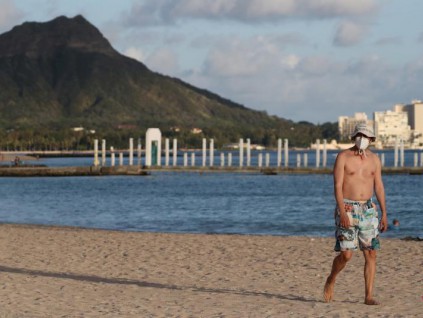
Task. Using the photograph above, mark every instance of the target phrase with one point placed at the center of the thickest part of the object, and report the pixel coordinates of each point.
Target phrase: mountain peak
(34, 39)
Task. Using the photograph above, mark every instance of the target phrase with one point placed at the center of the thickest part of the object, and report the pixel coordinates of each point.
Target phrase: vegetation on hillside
(63, 74)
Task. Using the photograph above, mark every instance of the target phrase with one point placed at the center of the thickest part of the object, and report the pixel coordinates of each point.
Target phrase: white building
(347, 124)
(415, 120)
(391, 126)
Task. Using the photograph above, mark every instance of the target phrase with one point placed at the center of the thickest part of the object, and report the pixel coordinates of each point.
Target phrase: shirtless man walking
(357, 176)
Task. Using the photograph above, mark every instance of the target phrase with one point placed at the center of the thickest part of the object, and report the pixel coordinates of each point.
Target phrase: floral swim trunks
(363, 231)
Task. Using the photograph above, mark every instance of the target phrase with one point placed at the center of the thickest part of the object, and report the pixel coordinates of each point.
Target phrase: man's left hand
(383, 225)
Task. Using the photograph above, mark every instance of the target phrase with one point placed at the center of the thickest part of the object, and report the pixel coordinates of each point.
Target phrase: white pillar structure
(193, 159)
(211, 152)
(248, 152)
(402, 153)
(260, 160)
(230, 159)
(325, 153)
(317, 153)
(175, 152)
(241, 152)
(382, 159)
(120, 158)
(96, 162)
(298, 160)
(103, 152)
(167, 152)
(305, 160)
(421, 159)
(139, 151)
(185, 159)
(204, 151)
(112, 156)
(153, 147)
(267, 156)
(279, 160)
(222, 159)
(131, 151)
(286, 155)
(416, 159)
(396, 153)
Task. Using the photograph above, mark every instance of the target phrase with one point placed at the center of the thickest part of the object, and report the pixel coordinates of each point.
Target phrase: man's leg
(369, 276)
(338, 265)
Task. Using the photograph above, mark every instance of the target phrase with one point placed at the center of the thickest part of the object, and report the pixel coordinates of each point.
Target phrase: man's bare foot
(328, 290)
(371, 302)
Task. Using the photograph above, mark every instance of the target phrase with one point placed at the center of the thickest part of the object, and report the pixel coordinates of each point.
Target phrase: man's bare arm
(380, 195)
(338, 180)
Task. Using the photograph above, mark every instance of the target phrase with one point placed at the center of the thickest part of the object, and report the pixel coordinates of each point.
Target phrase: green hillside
(63, 74)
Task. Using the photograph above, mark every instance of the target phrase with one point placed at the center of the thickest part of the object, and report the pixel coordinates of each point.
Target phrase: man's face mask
(362, 142)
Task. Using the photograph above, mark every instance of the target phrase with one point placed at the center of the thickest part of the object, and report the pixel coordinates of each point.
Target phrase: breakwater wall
(144, 171)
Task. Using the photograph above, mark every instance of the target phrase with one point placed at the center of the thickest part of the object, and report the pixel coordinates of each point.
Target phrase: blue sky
(311, 60)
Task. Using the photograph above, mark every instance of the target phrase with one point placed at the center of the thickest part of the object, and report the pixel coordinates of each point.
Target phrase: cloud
(260, 74)
(9, 14)
(134, 53)
(163, 61)
(394, 40)
(349, 33)
(171, 11)
(254, 56)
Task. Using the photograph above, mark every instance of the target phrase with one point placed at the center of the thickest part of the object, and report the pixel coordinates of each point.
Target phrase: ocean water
(187, 202)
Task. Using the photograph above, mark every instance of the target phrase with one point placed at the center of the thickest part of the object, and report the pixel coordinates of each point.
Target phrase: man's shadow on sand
(123, 281)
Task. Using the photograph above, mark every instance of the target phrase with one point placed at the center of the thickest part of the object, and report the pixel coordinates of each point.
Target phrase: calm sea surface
(197, 203)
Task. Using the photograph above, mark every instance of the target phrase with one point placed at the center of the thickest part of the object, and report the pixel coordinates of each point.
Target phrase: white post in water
(112, 156)
(96, 163)
(230, 159)
(131, 151)
(279, 160)
(421, 159)
(222, 159)
(267, 159)
(317, 153)
(139, 151)
(416, 159)
(103, 152)
(211, 152)
(185, 159)
(120, 158)
(167, 152)
(402, 152)
(382, 159)
(193, 159)
(175, 151)
(286, 154)
(325, 153)
(248, 152)
(241, 152)
(305, 160)
(204, 151)
(396, 153)
(260, 160)
(298, 160)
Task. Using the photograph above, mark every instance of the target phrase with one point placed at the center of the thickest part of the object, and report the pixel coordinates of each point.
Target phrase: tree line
(301, 134)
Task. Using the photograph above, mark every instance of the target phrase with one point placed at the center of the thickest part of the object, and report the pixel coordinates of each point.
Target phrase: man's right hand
(344, 221)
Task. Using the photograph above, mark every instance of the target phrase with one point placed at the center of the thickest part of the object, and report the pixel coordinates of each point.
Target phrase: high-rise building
(347, 124)
(415, 115)
(404, 122)
(391, 126)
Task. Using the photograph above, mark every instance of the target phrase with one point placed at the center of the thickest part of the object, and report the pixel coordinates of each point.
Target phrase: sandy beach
(70, 272)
